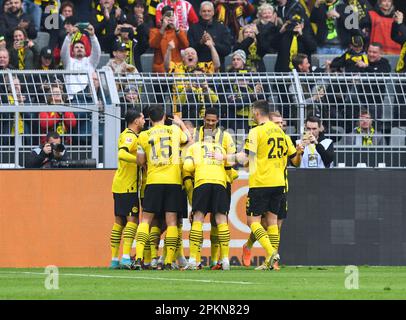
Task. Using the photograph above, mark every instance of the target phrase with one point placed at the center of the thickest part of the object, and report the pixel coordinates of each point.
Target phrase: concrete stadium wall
(336, 217)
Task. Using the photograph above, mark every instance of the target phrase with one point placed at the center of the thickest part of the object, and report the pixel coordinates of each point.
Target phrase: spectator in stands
(350, 60)
(78, 86)
(184, 13)
(24, 53)
(79, 62)
(286, 9)
(139, 16)
(209, 28)
(267, 28)
(167, 38)
(58, 35)
(135, 40)
(380, 25)
(376, 63)
(240, 94)
(46, 60)
(295, 36)
(24, 124)
(118, 64)
(3, 43)
(318, 150)
(365, 134)
(192, 98)
(399, 36)
(233, 14)
(248, 41)
(48, 154)
(5, 60)
(105, 19)
(14, 18)
(63, 123)
(190, 60)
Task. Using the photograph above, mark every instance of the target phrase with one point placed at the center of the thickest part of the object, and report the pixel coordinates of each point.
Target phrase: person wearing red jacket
(62, 123)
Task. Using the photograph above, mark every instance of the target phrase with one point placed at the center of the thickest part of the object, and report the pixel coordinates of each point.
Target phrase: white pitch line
(128, 277)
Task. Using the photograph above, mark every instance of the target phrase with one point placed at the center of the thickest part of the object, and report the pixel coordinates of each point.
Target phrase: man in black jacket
(206, 28)
(15, 17)
(49, 154)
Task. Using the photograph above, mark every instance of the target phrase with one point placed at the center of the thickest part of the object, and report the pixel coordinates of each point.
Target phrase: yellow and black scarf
(400, 67)
(366, 139)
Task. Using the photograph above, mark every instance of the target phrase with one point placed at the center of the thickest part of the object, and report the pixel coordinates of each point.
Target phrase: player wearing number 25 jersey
(268, 149)
(159, 148)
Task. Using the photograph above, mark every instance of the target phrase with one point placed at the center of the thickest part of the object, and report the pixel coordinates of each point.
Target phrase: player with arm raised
(159, 148)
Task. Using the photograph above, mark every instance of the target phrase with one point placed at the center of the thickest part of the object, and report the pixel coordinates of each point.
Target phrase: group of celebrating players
(165, 167)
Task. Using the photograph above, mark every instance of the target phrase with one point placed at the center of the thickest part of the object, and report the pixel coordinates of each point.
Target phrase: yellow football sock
(214, 244)
(224, 240)
(262, 238)
(141, 238)
(154, 238)
(129, 233)
(251, 240)
(195, 236)
(147, 253)
(179, 244)
(273, 234)
(115, 239)
(170, 241)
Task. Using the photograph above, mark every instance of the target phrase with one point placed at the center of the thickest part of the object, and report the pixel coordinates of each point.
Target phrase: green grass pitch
(291, 282)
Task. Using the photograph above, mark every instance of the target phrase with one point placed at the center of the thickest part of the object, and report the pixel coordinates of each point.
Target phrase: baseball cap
(119, 46)
(46, 52)
(357, 41)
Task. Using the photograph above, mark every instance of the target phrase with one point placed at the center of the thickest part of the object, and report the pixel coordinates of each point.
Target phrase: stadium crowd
(196, 37)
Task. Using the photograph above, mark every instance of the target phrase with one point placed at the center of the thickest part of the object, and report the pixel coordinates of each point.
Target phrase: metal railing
(336, 98)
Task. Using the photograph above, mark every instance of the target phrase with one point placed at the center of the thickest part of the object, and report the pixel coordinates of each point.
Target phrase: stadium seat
(42, 40)
(319, 60)
(398, 136)
(269, 61)
(146, 62)
(104, 59)
(393, 61)
(227, 61)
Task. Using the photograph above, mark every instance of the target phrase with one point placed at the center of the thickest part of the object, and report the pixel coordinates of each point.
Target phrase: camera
(73, 164)
(58, 147)
(24, 43)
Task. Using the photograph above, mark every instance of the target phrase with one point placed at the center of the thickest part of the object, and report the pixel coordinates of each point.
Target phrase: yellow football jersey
(206, 169)
(269, 149)
(126, 176)
(161, 144)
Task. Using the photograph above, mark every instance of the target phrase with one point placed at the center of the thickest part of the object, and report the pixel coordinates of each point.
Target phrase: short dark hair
(376, 44)
(262, 106)
(156, 112)
(131, 115)
(298, 60)
(212, 110)
(53, 135)
(313, 119)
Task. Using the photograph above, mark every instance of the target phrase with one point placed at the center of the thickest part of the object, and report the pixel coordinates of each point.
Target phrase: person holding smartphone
(24, 52)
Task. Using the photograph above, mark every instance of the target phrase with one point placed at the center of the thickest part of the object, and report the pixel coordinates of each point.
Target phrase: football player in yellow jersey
(207, 160)
(125, 190)
(276, 118)
(210, 127)
(159, 148)
(266, 151)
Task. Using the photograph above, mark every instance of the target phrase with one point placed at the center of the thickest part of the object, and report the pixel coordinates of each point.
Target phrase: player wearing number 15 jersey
(267, 149)
(159, 148)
